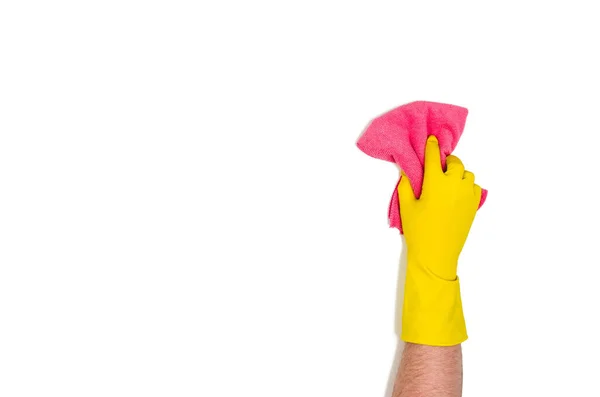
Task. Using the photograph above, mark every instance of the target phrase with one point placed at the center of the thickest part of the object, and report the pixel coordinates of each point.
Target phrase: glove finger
(405, 192)
(477, 190)
(454, 166)
(433, 163)
(469, 176)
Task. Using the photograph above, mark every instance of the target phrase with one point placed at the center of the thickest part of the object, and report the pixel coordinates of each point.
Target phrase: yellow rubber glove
(435, 230)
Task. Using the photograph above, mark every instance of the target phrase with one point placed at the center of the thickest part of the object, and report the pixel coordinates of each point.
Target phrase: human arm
(431, 371)
(435, 227)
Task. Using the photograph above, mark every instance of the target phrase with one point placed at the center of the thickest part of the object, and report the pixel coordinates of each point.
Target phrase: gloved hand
(435, 229)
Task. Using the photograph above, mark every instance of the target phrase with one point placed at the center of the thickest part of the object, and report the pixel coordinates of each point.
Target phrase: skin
(429, 371)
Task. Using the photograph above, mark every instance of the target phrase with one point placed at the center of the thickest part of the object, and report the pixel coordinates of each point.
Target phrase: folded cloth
(400, 135)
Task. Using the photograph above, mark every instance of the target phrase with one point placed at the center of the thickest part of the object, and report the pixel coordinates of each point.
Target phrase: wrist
(436, 262)
(432, 311)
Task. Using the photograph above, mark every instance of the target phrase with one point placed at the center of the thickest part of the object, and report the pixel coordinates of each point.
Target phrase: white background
(183, 210)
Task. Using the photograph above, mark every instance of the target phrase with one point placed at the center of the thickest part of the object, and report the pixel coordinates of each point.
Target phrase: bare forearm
(429, 371)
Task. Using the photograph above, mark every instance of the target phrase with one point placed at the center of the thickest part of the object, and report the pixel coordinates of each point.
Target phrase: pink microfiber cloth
(400, 135)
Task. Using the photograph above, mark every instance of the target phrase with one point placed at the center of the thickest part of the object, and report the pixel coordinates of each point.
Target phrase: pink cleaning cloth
(400, 136)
